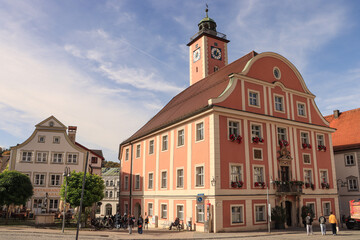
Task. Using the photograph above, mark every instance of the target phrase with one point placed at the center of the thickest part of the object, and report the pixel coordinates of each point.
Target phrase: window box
(260, 184)
(234, 138)
(306, 145)
(322, 147)
(325, 185)
(283, 143)
(238, 184)
(310, 185)
(257, 140)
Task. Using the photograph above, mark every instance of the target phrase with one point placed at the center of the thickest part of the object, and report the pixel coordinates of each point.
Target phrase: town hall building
(239, 130)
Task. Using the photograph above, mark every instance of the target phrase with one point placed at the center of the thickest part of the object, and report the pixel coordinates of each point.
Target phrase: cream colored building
(44, 156)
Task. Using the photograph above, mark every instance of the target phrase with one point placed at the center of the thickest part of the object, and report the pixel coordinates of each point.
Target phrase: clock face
(216, 53)
(196, 55)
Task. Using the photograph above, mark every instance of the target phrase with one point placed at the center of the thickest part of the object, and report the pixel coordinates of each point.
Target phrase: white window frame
(151, 180)
(326, 177)
(163, 210)
(298, 109)
(277, 103)
(56, 180)
(200, 213)
(182, 212)
(321, 140)
(163, 183)
(73, 159)
(199, 177)
(236, 130)
(39, 182)
(138, 151)
(52, 203)
(281, 135)
(256, 206)
(55, 157)
(353, 155)
(314, 204)
(126, 182)
(180, 137)
(164, 142)
(351, 185)
(127, 154)
(150, 209)
(307, 154)
(255, 131)
(304, 137)
(137, 182)
(56, 139)
(255, 179)
(179, 179)
(306, 177)
(233, 175)
(41, 139)
(242, 221)
(323, 208)
(250, 98)
(151, 146)
(43, 157)
(258, 159)
(26, 156)
(200, 131)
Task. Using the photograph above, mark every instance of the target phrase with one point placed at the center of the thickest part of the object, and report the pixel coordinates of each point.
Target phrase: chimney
(336, 113)
(72, 133)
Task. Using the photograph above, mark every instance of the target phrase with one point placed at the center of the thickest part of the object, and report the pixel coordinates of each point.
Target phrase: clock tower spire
(208, 50)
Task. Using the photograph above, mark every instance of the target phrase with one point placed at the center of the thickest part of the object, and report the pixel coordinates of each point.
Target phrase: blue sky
(109, 66)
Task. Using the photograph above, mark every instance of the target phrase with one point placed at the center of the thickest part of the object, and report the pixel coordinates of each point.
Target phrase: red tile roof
(193, 99)
(347, 129)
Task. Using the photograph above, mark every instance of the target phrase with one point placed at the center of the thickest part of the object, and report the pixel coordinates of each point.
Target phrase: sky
(108, 66)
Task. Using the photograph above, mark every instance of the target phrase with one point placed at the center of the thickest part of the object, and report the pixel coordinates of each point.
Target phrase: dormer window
(56, 140)
(51, 124)
(41, 139)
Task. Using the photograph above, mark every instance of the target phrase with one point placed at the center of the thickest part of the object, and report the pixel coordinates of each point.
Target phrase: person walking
(140, 222)
(131, 223)
(333, 222)
(309, 221)
(322, 221)
(146, 226)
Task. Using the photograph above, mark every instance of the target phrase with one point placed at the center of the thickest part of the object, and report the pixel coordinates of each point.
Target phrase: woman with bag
(140, 224)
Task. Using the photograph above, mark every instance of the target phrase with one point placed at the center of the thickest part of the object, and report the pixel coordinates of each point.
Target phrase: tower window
(216, 68)
(215, 44)
(197, 45)
(196, 69)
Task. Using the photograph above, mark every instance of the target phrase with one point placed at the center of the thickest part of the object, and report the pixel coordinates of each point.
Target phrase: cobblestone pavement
(31, 233)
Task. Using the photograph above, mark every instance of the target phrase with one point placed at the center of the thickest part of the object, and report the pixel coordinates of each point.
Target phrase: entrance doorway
(288, 208)
(137, 210)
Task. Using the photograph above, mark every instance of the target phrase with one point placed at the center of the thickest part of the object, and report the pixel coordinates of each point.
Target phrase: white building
(44, 156)
(110, 203)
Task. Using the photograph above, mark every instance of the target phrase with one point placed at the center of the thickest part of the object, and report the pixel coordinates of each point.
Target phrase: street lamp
(66, 174)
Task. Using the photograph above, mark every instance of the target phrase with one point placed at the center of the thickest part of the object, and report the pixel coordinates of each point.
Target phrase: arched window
(108, 209)
(107, 182)
(106, 194)
(110, 194)
(111, 183)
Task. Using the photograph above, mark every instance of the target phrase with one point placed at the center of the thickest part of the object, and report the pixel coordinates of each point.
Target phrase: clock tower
(208, 50)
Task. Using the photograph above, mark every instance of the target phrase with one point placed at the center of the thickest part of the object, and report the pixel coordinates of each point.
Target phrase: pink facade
(251, 126)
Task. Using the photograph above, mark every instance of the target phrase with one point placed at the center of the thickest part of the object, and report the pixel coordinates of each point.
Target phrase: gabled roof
(95, 152)
(193, 99)
(348, 129)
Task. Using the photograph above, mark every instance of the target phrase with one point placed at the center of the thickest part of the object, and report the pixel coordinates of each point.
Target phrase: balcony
(208, 31)
(288, 188)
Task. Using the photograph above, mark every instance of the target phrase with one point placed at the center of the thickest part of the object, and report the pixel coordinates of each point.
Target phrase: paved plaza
(31, 233)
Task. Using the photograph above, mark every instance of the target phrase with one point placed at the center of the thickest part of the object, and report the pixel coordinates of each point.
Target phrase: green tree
(15, 188)
(109, 164)
(93, 192)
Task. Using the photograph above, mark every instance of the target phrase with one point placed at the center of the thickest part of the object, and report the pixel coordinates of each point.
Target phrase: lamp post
(66, 174)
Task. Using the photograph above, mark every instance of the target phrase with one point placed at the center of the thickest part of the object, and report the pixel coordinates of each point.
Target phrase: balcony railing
(289, 188)
(212, 32)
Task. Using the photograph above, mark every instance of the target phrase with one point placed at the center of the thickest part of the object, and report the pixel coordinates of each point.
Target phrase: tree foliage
(15, 188)
(109, 164)
(93, 192)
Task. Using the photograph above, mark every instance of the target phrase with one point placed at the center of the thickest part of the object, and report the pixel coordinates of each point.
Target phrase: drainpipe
(120, 183)
(131, 169)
